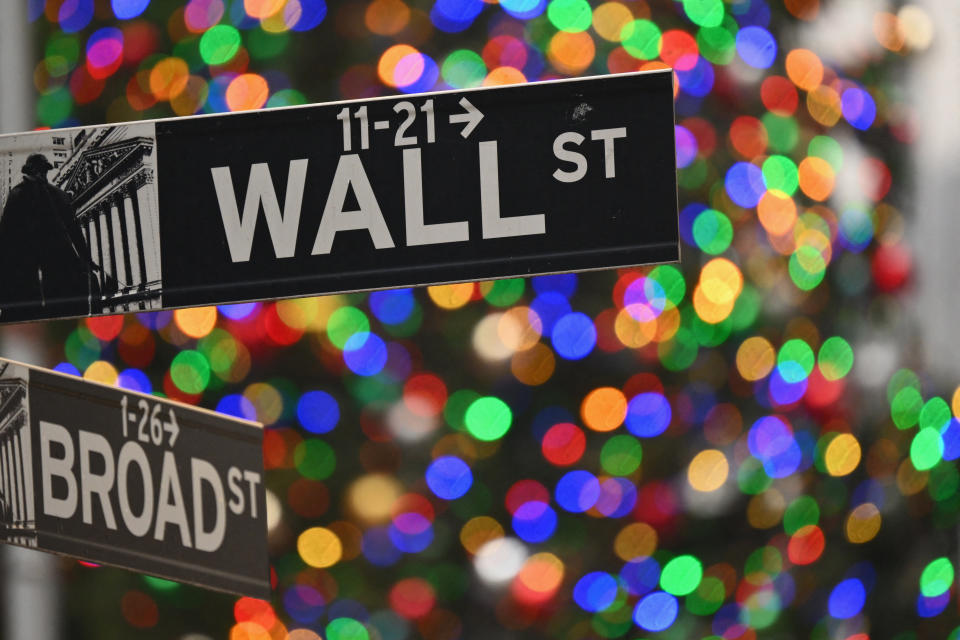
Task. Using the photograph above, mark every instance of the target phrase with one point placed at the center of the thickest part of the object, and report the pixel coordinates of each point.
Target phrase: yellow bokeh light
(519, 328)
(169, 78)
(249, 630)
(635, 326)
(721, 281)
(101, 371)
(542, 573)
(709, 311)
(842, 455)
(708, 470)
(636, 540)
(196, 322)
(804, 69)
(478, 532)
(387, 66)
(371, 497)
(319, 547)
(863, 523)
(609, 20)
(604, 409)
(765, 509)
(262, 9)
(755, 358)
(816, 178)
(504, 75)
(823, 104)
(386, 17)
(777, 212)
(534, 366)
(451, 296)
(266, 400)
(955, 402)
(571, 53)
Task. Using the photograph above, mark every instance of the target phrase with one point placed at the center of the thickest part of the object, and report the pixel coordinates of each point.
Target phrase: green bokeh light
(935, 413)
(488, 418)
(926, 449)
(314, 459)
(905, 408)
(937, 577)
(681, 575)
(795, 360)
(463, 68)
(801, 512)
(190, 371)
(835, 358)
(705, 13)
(712, 231)
(503, 293)
(621, 455)
(780, 173)
(642, 39)
(570, 15)
(346, 629)
(344, 322)
(219, 44)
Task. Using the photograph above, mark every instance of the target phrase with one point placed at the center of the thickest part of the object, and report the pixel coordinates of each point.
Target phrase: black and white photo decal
(17, 516)
(79, 222)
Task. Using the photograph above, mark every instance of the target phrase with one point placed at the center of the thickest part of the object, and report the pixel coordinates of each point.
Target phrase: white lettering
(203, 471)
(350, 173)
(236, 493)
(132, 452)
(418, 232)
(608, 136)
(171, 512)
(253, 479)
(59, 467)
(283, 227)
(568, 155)
(91, 483)
(493, 225)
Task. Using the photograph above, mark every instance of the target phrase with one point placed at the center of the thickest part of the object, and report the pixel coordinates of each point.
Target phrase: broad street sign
(122, 478)
(398, 191)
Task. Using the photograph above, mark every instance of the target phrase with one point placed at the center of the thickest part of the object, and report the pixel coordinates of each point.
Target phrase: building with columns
(110, 177)
(17, 520)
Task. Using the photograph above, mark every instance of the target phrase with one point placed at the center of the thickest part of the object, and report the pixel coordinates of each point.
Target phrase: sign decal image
(397, 191)
(79, 228)
(122, 478)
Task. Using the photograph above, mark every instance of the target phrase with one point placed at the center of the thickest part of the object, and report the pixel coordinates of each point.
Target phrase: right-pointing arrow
(471, 118)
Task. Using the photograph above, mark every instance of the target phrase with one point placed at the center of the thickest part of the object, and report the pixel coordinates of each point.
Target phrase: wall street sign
(397, 191)
(122, 478)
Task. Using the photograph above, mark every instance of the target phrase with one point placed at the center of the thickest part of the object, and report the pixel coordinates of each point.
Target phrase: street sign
(388, 192)
(117, 477)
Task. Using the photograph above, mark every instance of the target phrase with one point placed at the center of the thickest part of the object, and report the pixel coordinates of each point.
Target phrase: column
(27, 448)
(134, 241)
(145, 207)
(18, 489)
(93, 243)
(105, 244)
(4, 469)
(116, 240)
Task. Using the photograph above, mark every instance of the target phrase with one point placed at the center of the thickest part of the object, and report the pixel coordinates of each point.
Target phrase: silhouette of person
(45, 265)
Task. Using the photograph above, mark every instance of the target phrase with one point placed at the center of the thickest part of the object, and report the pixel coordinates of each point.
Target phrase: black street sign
(398, 191)
(117, 477)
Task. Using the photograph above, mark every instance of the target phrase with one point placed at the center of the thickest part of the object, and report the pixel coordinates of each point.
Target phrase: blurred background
(758, 442)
